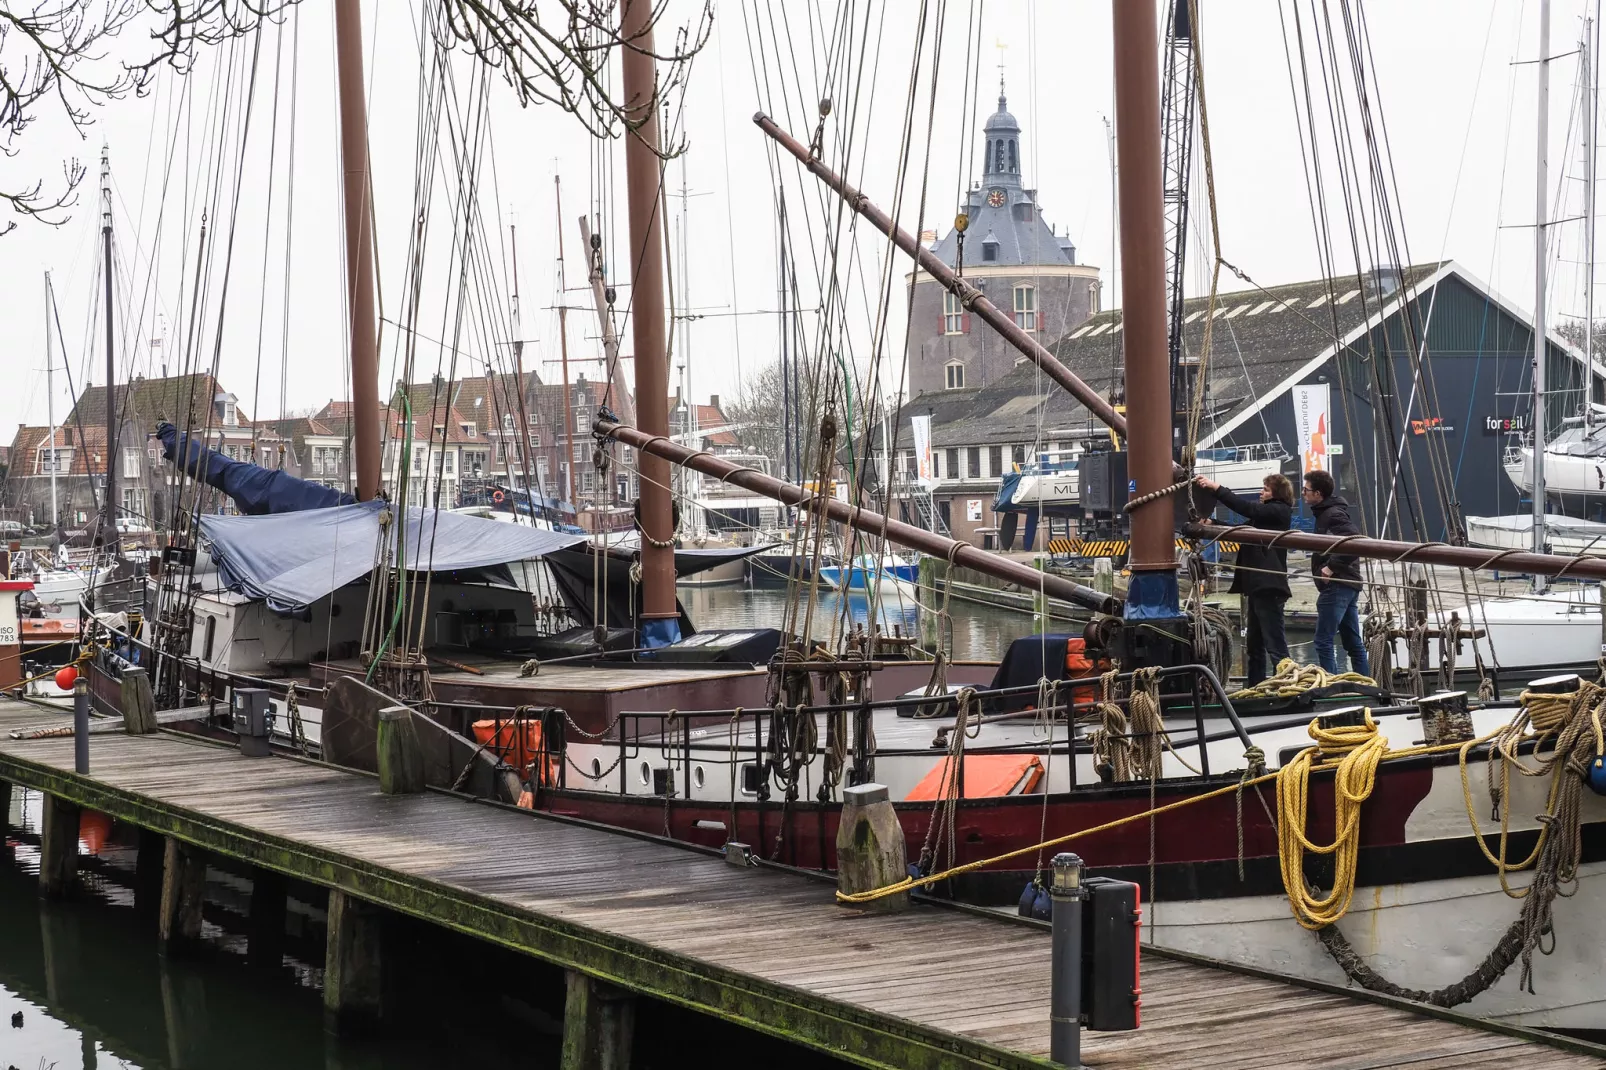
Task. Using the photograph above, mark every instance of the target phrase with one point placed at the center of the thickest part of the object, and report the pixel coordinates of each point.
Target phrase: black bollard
(80, 725)
(1065, 991)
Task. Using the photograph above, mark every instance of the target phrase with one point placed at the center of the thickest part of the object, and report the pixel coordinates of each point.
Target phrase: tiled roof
(1261, 338)
(183, 400)
(27, 443)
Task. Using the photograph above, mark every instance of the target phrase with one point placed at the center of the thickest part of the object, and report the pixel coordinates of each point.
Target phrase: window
(588, 483)
(535, 439)
(995, 460)
(1018, 453)
(1026, 308)
(579, 452)
(507, 421)
(418, 462)
(622, 487)
(450, 462)
(54, 460)
(130, 463)
(1014, 164)
(470, 430)
(989, 250)
(543, 468)
(231, 413)
(1023, 212)
(475, 462)
(950, 463)
(998, 155)
(912, 464)
(973, 462)
(954, 375)
(945, 514)
(954, 319)
(582, 400)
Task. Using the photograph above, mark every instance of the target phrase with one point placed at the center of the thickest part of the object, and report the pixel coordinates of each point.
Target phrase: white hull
(1559, 628)
(1063, 488)
(1564, 534)
(1568, 476)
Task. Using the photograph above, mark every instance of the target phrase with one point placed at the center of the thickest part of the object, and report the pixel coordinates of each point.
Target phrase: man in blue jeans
(1338, 578)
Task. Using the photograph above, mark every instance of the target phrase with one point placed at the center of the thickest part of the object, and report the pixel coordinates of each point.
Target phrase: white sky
(1460, 122)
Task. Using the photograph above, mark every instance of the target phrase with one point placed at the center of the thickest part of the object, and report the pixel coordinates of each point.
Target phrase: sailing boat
(710, 764)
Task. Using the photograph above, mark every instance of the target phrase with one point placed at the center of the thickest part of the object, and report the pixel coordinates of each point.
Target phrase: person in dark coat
(1261, 573)
(1338, 578)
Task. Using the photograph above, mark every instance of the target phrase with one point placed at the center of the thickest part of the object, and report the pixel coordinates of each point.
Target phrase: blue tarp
(293, 559)
(255, 490)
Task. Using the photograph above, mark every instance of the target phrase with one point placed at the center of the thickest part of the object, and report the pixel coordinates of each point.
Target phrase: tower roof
(1001, 120)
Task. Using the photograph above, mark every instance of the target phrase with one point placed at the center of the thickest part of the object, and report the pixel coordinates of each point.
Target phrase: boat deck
(764, 947)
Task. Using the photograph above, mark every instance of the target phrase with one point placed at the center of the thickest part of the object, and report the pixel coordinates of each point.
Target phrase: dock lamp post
(1065, 992)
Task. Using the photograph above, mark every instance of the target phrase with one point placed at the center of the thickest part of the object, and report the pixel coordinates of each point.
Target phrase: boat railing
(669, 735)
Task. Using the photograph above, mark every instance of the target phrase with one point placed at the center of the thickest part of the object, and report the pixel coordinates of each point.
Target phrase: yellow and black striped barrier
(1113, 547)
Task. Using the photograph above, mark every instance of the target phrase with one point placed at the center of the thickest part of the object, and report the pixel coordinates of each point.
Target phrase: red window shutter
(964, 324)
(942, 323)
(1039, 321)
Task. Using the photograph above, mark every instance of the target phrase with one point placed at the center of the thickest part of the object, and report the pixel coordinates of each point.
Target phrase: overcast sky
(1460, 124)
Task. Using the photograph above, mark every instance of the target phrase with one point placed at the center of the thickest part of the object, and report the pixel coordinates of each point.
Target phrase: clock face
(996, 198)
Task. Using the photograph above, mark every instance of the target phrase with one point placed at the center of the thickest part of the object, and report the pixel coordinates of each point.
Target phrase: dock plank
(763, 947)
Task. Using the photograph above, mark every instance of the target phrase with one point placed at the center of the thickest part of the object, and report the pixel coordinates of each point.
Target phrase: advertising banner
(921, 425)
(1312, 422)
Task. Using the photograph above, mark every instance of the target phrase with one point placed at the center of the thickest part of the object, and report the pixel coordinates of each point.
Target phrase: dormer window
(507, 421)
(470, 430)
(954, 375)
(989, 249)
(231, 413)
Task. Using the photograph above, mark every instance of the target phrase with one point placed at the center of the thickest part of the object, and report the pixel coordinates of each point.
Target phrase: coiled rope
(1293, 679)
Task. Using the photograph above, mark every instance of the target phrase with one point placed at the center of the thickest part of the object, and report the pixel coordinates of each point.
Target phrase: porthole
(646, 773)
(697, 776)
(596, 769)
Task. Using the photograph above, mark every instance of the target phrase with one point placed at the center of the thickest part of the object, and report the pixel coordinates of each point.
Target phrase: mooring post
(183, 894)
(353, 975)
(264, 948)
(401, 759)
(139, 703)
(80, 726)
(1065, 962)
(869, 847)
(5, 807)
(58, 848)
(599, 1025)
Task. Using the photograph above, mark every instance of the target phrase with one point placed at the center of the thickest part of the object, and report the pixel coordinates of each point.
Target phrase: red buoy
(66, 677)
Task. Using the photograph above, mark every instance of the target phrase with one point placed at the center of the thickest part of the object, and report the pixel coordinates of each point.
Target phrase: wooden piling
(870, 850)
(183, 893)
(139, 704)
(264, 948)
(58, 848)
(5, 806)
(401, 760)
(599, 1025)
(353, 991)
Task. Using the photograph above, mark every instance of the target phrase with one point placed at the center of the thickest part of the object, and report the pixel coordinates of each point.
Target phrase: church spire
(1001, 143)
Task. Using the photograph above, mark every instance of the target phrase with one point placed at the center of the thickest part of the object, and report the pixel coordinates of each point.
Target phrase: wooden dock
(762, 947)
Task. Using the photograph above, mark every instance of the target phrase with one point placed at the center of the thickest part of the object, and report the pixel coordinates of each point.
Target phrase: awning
(293, 559)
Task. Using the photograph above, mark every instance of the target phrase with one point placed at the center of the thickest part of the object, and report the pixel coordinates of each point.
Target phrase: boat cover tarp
(293, 559)
(255, 490)
(575, 572)
(987, 776)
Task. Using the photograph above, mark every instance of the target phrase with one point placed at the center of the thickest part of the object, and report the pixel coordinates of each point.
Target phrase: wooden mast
(108, 513)
(644, 173)
(1153, 591)
(359, 247)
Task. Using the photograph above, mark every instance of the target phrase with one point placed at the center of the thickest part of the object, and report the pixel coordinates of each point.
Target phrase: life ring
(497, 496)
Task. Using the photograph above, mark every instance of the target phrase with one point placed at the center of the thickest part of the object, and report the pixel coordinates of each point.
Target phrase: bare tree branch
(556, 52)
(54, 54)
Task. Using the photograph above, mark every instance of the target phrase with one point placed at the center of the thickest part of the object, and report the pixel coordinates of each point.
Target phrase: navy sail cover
(293, 559)
(255, 490)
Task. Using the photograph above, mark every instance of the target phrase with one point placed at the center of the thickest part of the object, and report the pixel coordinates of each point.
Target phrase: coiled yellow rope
(1358, 750)
(1292, 679)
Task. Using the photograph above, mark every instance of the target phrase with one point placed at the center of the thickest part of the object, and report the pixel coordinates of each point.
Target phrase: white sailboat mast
(1541, 230)
(1591, 101)
(50, 406)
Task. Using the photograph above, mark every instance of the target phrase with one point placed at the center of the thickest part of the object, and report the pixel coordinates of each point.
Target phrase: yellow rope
(1358, 750)
(1292, 679)
(970, 867)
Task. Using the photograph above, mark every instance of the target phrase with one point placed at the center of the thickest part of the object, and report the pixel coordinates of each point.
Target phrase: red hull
(804, 833)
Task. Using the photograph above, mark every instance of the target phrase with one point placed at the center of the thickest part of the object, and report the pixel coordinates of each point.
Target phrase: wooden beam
(58, 848)
(183, 893)
(139, 704)
(599, 1025)
(353, 992)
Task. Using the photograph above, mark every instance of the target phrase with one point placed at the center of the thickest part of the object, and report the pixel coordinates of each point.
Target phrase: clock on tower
(996, 198)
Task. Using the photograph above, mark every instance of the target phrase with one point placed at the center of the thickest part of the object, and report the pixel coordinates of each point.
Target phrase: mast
(1591, 103)
(602, 298)
(644, 174)
(1153, 590)
(563, 351)
(359, 247)
(524, 455)
(50, 404)
(1541, 230)
(108, 515)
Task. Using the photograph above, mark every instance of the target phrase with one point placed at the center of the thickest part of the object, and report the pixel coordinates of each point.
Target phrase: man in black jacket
(1338, 578)
(1261, 573)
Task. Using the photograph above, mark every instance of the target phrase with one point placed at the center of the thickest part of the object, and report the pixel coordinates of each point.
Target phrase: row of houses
(442, 442)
